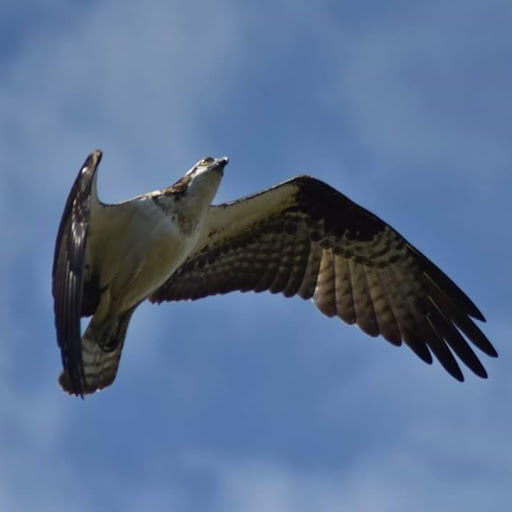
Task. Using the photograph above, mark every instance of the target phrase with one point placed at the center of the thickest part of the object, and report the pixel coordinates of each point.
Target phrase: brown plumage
(301, 237)
(304, 238)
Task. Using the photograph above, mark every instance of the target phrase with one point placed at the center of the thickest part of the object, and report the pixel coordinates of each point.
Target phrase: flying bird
(300, 237)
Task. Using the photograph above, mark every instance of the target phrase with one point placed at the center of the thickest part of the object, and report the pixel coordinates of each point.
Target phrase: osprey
(300, 237)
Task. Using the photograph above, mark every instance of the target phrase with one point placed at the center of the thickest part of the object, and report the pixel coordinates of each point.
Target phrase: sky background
(251, 402)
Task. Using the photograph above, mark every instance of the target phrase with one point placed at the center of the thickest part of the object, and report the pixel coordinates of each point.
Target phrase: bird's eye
(204, 162)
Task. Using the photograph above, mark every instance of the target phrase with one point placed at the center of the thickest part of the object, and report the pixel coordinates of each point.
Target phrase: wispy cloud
(252, 402)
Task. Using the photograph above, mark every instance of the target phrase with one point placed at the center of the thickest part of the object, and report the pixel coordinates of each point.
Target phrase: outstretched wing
(68, 271)
(304, 238)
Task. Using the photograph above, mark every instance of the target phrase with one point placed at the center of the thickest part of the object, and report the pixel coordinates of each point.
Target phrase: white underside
(134, 247)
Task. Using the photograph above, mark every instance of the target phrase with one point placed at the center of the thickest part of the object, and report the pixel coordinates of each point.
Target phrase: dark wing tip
(477, 314)
(447, 286)
(491, 351)
(68, 385)
(94, 158)
(458, 376)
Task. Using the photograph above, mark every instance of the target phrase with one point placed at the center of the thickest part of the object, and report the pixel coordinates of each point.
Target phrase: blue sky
(252, 402)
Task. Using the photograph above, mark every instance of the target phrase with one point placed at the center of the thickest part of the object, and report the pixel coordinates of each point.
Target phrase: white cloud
(395, 480)
(305, 414)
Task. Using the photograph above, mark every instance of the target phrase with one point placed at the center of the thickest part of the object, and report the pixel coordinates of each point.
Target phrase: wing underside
(304, 238)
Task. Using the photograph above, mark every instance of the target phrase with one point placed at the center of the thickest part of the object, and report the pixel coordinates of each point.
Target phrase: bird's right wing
(68, 271)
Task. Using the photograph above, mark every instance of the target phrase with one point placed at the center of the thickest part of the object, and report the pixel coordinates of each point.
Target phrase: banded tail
(101, 351)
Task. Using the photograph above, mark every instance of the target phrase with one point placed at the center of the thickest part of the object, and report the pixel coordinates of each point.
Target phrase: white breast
(135, 247)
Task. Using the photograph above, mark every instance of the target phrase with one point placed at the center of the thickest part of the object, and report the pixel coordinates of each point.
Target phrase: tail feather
(101, 351)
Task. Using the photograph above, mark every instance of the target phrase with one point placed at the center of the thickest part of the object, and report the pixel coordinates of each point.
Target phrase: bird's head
(205, 175)
(201, 182)
(206, 167)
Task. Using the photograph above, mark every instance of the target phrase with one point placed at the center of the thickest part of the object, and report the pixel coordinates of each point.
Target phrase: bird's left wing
(68, 270)
(304, 238)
